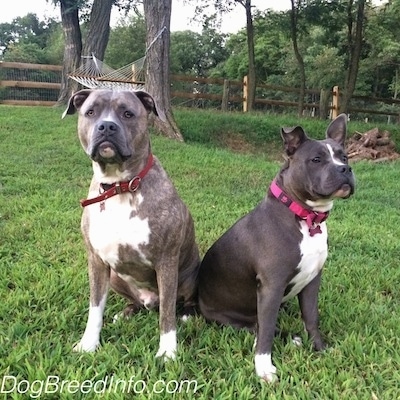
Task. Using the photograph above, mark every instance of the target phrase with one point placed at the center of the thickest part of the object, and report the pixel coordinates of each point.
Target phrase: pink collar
(312, 218)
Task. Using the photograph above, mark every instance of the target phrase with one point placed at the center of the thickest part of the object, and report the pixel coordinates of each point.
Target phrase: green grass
(43, 276)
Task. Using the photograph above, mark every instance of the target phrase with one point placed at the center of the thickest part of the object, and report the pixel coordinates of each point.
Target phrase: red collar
(121, 187)
(312, 218)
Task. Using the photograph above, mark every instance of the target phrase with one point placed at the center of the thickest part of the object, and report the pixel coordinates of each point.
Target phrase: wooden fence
(40, 85)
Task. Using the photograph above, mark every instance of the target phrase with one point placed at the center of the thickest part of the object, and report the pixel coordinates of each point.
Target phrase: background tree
(381, 67)
(224, 6)
(355, 30)
(251, 75)
(96, 39)
(127, 42)
(98, 31)
(28, 39)
(158, 20)
(72, 48)
(197, 54)
(296, 7)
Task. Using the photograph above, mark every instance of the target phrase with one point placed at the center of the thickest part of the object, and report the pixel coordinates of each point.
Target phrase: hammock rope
(95, 74)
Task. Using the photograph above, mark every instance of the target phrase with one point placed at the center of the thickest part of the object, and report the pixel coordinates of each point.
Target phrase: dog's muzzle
(109, 143)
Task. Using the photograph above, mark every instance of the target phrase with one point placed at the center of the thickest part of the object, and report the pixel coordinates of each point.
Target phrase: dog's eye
(128, 114)
(90, 113)
(316, 159)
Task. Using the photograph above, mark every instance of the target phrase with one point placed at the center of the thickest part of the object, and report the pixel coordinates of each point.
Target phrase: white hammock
(95, 74)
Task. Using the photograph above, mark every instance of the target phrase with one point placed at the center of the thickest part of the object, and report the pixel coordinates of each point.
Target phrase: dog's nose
(344, 169)
(107, 128)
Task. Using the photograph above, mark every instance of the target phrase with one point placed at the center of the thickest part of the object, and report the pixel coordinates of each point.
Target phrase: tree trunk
(251, 92)
(157, 15)
(72, 49)
(354, 53)
(99, 29)
(293, 30)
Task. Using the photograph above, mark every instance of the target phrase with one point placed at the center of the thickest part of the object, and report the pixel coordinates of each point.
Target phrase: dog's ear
(75, 102)
(337, 129)
(147, 100)
(293, 138)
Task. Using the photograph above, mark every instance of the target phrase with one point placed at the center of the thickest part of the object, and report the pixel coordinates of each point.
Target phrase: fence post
(324, 104)
(225, 95)
(245, 93)
(335, 102)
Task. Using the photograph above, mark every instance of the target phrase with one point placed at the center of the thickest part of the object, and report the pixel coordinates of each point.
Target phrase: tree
(382, 65)
(197, 54)
(294, 16)
(127, 42)
(251, 75)
(72, 48)
(26, 39)
(157, 15)
(354, 45)
(223, 6)
(98, 31)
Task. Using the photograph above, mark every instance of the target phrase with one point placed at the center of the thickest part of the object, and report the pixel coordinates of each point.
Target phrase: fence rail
(39, 85)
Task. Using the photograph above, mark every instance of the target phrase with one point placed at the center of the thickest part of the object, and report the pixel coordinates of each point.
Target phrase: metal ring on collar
(134, 183)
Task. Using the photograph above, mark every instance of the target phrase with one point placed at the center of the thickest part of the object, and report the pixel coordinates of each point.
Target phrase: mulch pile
(371, 145)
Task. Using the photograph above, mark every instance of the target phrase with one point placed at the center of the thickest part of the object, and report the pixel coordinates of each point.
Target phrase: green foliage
(26, 40)
(44, 284)
(197, 54)
(127, 42)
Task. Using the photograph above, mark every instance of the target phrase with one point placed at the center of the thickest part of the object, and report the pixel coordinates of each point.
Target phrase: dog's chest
(115, 226)
(314, 251)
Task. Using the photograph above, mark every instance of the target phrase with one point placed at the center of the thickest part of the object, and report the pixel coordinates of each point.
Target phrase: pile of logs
(371, 145)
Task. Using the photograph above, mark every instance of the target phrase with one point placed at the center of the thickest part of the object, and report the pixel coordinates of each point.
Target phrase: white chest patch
(115, 226)
(314, 251)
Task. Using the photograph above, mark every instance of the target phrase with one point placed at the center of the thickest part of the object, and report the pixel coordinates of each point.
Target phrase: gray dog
(277, 250)
(139, 234)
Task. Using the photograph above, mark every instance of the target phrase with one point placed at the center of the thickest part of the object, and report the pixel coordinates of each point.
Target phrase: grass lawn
(44, 286)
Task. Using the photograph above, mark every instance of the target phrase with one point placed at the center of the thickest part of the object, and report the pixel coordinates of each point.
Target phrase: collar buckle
(106, 191)
(134, 183)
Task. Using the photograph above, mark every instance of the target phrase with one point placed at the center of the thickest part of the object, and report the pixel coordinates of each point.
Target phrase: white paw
(264, 368)
(296, 340)
(117, 317)
(167, 348)
(185, 317)
(166, 354)
(86, 346)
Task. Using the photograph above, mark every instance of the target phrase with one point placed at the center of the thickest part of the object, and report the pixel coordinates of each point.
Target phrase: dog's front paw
(319, 344)
(297, 341)
(86, 346)
(167, 348)
(264, 368)
(166, 354)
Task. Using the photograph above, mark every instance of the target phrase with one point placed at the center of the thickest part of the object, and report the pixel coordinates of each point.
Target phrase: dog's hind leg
(121, 287)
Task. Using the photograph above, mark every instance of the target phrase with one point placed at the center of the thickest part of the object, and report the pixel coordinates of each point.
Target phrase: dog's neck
(311, 217)
(107, 190)
(109, 173)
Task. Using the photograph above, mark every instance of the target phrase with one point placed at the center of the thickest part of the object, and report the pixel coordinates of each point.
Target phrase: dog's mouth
(345, 191)
(107, 151)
